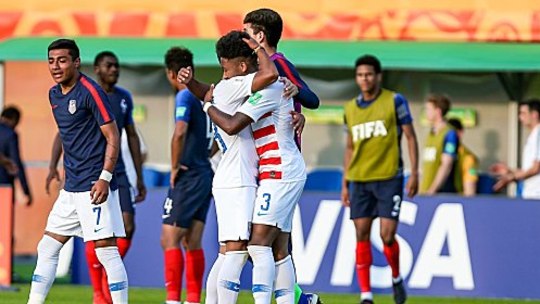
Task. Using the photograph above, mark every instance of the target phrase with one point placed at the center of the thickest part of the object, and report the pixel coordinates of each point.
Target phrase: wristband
(255, 50)
(206, 106)
(106, 176)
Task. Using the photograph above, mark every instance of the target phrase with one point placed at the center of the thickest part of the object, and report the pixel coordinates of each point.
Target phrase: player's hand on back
(99, 192)
(209, 97)
(184, 75)
(298, 122)
(290, 90)
(141, 191)
(53, 174)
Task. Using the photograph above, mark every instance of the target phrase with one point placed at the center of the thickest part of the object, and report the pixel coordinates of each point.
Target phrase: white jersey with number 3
(238, 165)
(273, 132)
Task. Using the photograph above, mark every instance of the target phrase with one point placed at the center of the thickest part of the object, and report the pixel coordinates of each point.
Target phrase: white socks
(116, 273)
(212, 280)
(264, 271)
(229, 276)
(48, 250)
(285, 281)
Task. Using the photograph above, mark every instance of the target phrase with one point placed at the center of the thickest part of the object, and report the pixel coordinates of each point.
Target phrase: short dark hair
(101, 55)
(268, 21)
(533, 104)
(11, 113)
(441, 102)
(369, 60)
(232, 46)
(67, 44)
(178, 57)
(456, 124)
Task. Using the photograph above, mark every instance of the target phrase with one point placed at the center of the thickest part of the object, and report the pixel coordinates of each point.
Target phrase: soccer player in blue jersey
(88, 205)
(9, 145)
(188, 200)
(107, 68)
(265, 26)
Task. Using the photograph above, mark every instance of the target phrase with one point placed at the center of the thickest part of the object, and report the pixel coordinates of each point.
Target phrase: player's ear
(243, 66)
(260, 37)
(77, 62)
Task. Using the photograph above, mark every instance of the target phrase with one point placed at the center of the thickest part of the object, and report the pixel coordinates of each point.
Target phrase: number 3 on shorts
(98, 210)
(266, 197)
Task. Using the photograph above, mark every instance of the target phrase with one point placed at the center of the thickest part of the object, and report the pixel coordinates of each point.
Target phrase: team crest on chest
(72, 106)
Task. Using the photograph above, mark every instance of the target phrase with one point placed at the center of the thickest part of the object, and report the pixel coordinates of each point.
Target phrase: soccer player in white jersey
(529, 173)
(235, 180)
(282, 176)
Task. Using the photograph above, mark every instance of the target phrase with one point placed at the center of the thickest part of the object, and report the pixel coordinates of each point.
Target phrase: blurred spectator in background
(9, 147)
(440, 151)
(529, 173)
(467, 164)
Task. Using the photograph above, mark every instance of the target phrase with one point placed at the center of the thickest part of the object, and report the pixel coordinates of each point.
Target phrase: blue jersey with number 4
(199, 132)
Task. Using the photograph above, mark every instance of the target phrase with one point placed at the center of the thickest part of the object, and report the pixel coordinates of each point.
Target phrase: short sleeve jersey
(530, 155)
(274, 134)
(79, 115)
(188, 109)
(122, 108)
(238, 165)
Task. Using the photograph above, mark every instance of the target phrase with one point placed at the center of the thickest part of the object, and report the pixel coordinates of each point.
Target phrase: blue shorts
(127, 203)
(376, 199)
(189, 199)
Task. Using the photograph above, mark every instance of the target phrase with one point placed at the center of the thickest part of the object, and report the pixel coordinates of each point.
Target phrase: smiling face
(108, 70)
(62, 66)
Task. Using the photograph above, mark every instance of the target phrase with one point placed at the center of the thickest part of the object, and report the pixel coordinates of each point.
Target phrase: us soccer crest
(72, 106)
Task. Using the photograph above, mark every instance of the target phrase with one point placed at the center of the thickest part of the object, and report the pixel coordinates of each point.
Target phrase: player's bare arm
(412, 144)
(231, 124)
(267, 72)
(517, 175)
(347, 154)
(177, 148)
(447, 161)
(100, 190)
(197, 88)
(56, 152)
(135, 149)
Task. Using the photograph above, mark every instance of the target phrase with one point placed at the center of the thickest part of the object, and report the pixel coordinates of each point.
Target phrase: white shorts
(73, 214)
(275, 203)
(234, 209)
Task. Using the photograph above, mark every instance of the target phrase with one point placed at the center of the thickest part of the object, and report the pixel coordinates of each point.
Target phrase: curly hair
(369, 60)
(232, 46)
(178, 57)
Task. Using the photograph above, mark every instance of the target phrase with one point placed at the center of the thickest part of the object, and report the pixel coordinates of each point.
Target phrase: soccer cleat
(313, 298)
(400, 294)
(366, 301)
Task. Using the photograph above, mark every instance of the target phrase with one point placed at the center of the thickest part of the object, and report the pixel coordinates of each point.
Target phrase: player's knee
(280, 253)
(167, 241)
(388, 238)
